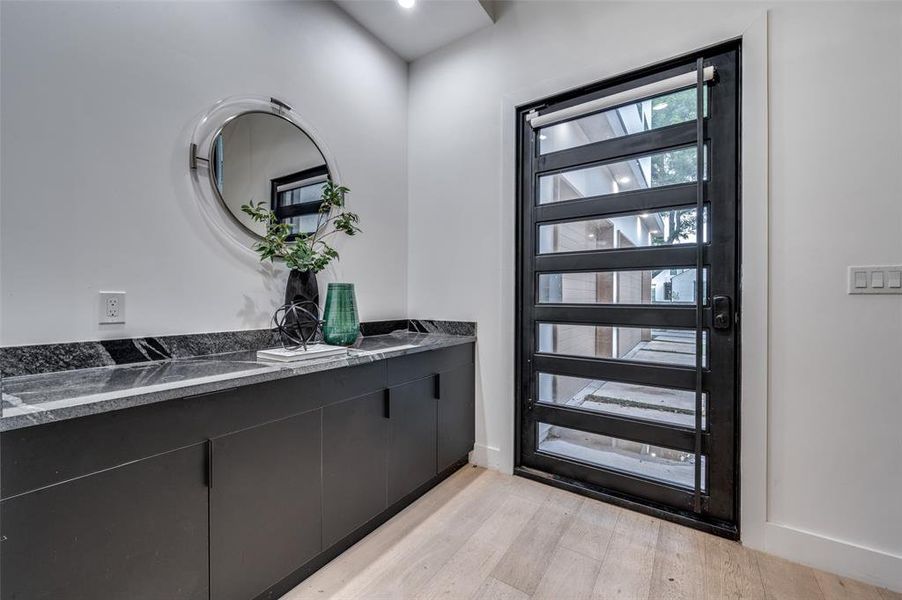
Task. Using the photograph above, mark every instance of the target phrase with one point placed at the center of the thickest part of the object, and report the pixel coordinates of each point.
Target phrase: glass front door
(627, 286)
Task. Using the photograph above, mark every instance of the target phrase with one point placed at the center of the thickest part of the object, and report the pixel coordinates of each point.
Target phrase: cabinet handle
(437, 383)
(386, 404)
(210, 463)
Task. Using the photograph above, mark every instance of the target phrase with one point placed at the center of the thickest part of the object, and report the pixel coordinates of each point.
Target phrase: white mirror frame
(201, 150)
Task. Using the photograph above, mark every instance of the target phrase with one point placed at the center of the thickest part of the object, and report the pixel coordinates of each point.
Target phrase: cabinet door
(412, 438)
(355, 467)
(265, 505)
(456, 415)
(133, 532)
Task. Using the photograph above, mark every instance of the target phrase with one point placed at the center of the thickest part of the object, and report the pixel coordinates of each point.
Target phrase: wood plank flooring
(482, 535)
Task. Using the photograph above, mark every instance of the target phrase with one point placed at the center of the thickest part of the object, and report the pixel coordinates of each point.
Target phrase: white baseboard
(837, 556)
(490, 458)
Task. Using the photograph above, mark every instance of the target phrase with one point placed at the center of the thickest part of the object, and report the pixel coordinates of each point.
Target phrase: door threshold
(724, 530)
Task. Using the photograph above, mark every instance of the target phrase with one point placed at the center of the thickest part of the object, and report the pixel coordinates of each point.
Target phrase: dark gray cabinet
(234, 495)
(456, 415)
(265, 505)
(412, 437)
(355, 464)
(134, 532)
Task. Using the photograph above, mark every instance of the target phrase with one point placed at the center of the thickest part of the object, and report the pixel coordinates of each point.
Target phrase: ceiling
(429, 25)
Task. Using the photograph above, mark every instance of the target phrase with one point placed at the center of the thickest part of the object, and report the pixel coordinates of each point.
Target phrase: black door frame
(720, 514)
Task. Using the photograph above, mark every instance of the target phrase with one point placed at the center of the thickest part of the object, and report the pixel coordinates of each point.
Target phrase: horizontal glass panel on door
(666, 465)
(637, 230)
(652, 113)
(664, 287)
(637, 344)
(650, 403)
(644, 172)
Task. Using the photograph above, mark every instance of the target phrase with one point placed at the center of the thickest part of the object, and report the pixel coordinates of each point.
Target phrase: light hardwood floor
(487, 536)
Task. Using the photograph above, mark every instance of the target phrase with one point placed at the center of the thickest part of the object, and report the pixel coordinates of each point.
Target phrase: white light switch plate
(112, 307)
(880, 279)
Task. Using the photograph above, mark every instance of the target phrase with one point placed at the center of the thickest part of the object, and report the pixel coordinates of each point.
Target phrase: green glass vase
(340, 322)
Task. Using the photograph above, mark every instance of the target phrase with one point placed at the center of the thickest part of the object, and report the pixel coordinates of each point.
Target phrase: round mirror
(259, 156)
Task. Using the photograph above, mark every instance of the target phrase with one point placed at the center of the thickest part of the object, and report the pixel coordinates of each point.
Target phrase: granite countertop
(35, 399)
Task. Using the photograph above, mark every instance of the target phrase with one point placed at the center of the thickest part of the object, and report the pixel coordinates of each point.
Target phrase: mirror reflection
(263, 157)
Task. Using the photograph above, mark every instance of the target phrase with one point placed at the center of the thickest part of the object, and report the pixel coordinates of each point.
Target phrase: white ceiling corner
(429, 25)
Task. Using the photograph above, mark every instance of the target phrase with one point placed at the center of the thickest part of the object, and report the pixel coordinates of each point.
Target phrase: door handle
(723, 314)
(210, 463)
(386, 403)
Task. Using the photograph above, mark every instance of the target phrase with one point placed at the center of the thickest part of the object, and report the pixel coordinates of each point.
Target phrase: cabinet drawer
(355, 464)
(138, 531)
(265, 505)
(412, 438)
(456, 415)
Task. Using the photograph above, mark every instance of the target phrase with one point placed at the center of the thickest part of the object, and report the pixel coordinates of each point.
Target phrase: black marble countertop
(35, 399)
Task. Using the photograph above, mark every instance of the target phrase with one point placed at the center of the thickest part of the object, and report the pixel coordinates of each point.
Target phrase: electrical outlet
(112, 307)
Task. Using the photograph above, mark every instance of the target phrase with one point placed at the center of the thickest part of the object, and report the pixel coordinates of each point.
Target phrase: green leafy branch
(305, 251)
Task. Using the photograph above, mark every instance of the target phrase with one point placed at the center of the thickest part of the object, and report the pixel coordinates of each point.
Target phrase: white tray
(312, 351)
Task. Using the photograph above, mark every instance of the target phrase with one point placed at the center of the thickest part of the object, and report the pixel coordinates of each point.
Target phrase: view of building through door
(615, 395)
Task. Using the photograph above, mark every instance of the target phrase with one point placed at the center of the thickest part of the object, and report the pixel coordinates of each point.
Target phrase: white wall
(98, 104)
(835, 409)
(822, 482)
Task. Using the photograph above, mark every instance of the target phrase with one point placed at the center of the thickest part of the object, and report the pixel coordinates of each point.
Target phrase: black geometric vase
(302, 287)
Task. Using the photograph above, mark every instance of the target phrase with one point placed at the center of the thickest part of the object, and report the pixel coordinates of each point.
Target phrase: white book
(312, 351)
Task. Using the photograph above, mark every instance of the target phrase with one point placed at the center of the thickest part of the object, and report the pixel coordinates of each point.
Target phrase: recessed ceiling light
(644, 215)
(623, 180)
(407, 3)
(658, 106)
